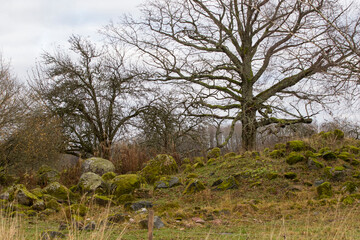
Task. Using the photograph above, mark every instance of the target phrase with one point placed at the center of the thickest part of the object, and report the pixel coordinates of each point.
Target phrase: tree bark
(249, 129)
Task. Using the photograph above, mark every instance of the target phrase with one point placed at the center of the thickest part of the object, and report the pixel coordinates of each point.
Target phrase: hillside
(302, 189)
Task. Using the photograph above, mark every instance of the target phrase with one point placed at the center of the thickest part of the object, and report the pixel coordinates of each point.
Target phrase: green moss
(186, 161)
(76, 209)
(323, 150)
(124, 184)
(338, 134)
(339, 168)
(309, 154)
(23, 196)
(46, 175)
(313, 163)
(214, 153)
(355, 162)
(53, 204)
(188, 168)
(348, 200)
(194, 186)
(324, 190)
(192, 175)
(290, 175)
(125, 198)
(229, 183)
(280, 146)
(198, 165)
(329, 155)
(37, 192)
(349, 187)
(230, 155)
(294, 158)
(211, 161)
(347, 157)
(272, 175)
(108, 176)
(161, 165)
(277, 154)
(353, 149)
(59, 191)
(296, 145)
(102, 200)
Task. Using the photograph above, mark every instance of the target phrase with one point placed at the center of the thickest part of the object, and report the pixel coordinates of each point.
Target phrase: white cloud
(30, 27)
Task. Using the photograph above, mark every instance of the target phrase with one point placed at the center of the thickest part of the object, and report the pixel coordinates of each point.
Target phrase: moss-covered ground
(265, 203)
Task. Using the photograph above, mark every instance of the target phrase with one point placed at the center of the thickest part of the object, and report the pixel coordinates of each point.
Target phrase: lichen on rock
(97, 165)
(161, 165)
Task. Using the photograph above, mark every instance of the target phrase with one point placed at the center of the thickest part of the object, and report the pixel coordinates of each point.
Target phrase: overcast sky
(28, 27)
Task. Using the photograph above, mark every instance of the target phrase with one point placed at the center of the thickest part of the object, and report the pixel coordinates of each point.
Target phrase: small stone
(198, 220)
(141, 204)
(318, 182)
(49, 235)
(90, 226)
(158, 223)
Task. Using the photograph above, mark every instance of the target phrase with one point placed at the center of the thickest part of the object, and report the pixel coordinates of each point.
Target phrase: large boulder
(60, 192)
(23, 196)
(47, 175)
(161, 165)
(89, 182)
(97, 165)
(125, 184)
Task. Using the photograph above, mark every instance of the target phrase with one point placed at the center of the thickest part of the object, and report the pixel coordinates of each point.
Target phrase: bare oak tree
(258, 62)
(11, 105)
(95, 95)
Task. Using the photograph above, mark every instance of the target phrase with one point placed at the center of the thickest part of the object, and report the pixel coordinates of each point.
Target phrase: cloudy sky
(29, 27)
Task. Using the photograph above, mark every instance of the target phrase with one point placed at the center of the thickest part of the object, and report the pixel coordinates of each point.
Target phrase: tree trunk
(249, 129)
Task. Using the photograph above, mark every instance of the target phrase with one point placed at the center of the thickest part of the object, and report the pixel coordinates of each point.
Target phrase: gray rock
(161, 184)
(5, 196)
(49, 235)
(174, 181)
(96, 165)
(318, 182)
(157, 223)
(90, 226)
(39, 205)
(141, 204)
(89, 181)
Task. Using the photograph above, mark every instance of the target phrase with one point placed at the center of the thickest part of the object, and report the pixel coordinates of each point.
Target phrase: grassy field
(267, 204)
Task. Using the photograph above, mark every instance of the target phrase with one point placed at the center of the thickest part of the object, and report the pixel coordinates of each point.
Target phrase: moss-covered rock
(53, 204)
(108, 176)
(198, 165)
(47, 175)
(97, 165)
(314, 164)
(290, 175)
(296, 146)
(161, 165)
(125, 198)
(89, 182)
(347, 157)
(277, 153)
(294, 157)
(280, 146)
(211, 161)
(37, 192)
(272, 175)
(324, 190)
(348, 200)
(349, 187)
(23, 196)
(188, 168)
(353, 149)
(214, 153)
(229, 183)
(230, 155)
(103, 200)
(124, 184)
(59, 191)
(194, 186)
(39, 205)
(329, 155)
(338, 134)
(76, 209)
